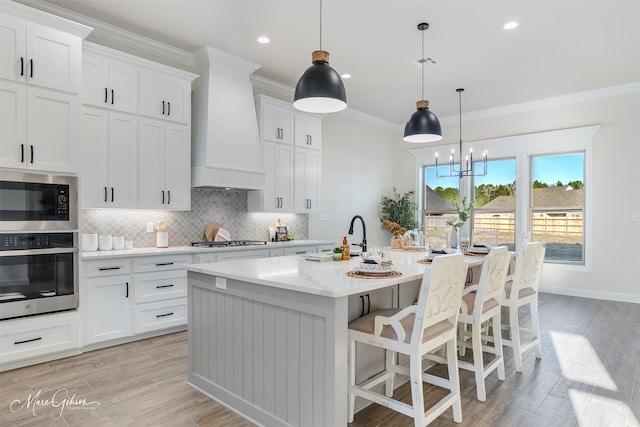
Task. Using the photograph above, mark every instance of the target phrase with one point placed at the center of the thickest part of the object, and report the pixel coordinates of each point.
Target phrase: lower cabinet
(37, 339)
(108, 310)
(159, 315)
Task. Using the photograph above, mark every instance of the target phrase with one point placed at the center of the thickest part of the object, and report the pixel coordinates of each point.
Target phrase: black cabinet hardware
(164, 315)
(105, 194)
(108, 268)
(111, 194)
(31, 65)
(163, 197)
(164, 286)
(21, 153)
(362, 299)
(31, 153)
(163, 108)
(26, 341)
(112, 96)
(106, 96)
(21, 66)
(168, 108)
(160, 264)
(127, 285)
(168, 197)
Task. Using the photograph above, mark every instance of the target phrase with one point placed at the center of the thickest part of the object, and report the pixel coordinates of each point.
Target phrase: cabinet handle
(31, 154)
(310, 139)
(164, 315)
(111, 194)
(168, 197)
(163, 108)
(362, 298)
(168, 108)
(21, 153)
(105, 194)
(112, 96)
(26, 341)
(22, 66)
(106, 96)
(163, 197)
(127, 285)
(108, 268)
(160, 264)
(164, 286)
(31, 65)
(368, 303)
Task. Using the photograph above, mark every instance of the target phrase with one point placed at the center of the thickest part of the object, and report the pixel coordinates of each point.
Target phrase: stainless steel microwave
(33, 202)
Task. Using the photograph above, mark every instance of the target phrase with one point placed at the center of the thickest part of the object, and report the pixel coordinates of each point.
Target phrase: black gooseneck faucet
(363, 245)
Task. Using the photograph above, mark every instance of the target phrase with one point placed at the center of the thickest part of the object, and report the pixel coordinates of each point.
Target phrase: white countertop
(318, 278)
(192, 249)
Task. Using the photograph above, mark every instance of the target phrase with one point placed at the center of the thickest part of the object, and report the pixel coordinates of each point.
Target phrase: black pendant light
(320, 89)
(423, 126)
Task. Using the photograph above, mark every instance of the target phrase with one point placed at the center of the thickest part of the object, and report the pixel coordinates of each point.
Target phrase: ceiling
(560, 47)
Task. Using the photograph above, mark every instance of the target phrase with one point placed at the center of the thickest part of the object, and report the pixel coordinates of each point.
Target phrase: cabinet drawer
(158, 315)
(107, 267)
(23, 338)
(245, 254)
(208, 257)
(159, 286)
(161, 263)
(299, 250)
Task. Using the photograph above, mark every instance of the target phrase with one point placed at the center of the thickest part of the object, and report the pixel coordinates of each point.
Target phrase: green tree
(400, 208)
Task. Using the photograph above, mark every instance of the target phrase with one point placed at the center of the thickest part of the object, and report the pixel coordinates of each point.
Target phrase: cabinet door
(123, 88)
(151, 171)
(123, 155)
(152, 94)
(178, 99)
(54, 58)
(307, 180)
(13, 124)
(269, 199)
(51, 130)
(284, 179)
(277, 124)
(94, 133)
(95, 80)
(308, 131)
(178, 166)
(108, 311)
(13, 45)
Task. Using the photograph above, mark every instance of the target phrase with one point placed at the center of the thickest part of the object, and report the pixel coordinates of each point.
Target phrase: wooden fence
(559, 226)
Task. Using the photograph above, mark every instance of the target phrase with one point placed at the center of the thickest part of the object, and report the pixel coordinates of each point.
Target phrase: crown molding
(110, 35)
(543, 104)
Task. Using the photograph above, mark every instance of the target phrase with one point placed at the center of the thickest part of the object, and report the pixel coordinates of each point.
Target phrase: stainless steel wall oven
(38, 273)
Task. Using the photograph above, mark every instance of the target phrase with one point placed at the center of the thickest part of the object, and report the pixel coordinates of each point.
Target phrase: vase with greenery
(457, 220)
(399, 208)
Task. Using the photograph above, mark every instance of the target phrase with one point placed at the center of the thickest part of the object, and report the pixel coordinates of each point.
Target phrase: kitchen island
(268, 337)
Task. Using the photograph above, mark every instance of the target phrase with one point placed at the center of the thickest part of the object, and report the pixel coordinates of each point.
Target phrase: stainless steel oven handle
(49, 251)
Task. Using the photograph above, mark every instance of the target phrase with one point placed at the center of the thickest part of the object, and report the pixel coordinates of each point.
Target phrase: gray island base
(268, 337)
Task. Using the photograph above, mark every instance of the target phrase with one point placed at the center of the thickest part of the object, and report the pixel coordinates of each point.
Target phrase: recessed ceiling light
(345, 76)
(510, 25)
(263, 40)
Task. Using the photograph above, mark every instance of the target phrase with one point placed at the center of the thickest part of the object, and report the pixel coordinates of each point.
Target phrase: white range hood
(226, 146)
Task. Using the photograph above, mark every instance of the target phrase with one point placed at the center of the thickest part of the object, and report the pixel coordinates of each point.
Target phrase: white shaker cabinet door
(178, 166)
(13, 124)
(108, 311)
(109, 84)
(151, 173)
(14, 48)
(122, 160)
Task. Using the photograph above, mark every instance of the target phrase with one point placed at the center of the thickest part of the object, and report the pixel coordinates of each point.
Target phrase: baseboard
(39, 359)
(125, 340)
(587, 293)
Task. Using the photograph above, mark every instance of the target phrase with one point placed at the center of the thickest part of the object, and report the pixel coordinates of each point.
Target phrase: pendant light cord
(320, 24)
(460, 124)
(422, 64)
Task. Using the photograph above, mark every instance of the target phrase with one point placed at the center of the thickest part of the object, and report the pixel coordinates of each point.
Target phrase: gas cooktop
(225, 243)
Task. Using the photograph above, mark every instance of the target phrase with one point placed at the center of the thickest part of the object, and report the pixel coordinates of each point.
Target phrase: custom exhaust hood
(226, 146)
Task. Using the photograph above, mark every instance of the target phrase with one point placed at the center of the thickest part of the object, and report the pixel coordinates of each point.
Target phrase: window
(494, 216)
(557, 206)
(508, 199)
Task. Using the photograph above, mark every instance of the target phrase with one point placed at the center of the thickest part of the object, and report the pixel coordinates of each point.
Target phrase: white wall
(615, 184)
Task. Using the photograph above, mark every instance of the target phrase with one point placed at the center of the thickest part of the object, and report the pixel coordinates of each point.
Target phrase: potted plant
(400, 208)
(337, 254)
(457, 220)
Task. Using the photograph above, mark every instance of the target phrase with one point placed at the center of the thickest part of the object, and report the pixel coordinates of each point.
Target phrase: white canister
(162, 239)
(90, 242)
(128, 244)
(105, 243)
(118, 243)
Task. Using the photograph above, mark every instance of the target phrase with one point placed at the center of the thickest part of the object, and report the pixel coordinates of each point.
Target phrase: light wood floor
(589, 375)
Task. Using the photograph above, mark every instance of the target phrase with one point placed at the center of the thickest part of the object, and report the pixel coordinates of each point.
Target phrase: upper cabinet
(40, 70)
(39, 55)
(308, 131)
(291, 144)
(109, 83)
(133, 158)
(165, 97)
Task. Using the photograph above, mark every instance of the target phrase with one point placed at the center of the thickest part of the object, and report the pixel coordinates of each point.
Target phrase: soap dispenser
(345, 249)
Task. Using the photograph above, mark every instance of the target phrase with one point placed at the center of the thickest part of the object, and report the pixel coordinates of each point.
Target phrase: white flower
(454, 220)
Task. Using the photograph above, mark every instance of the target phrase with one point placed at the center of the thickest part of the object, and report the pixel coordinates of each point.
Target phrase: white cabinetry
(110, 84)
(164, 166)
(40, 63)
(38, 338)
(39, 55)
(308, 131)
(165, 97)
(109, 158)
(307, 180)
(38, 128)
(288, 160)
